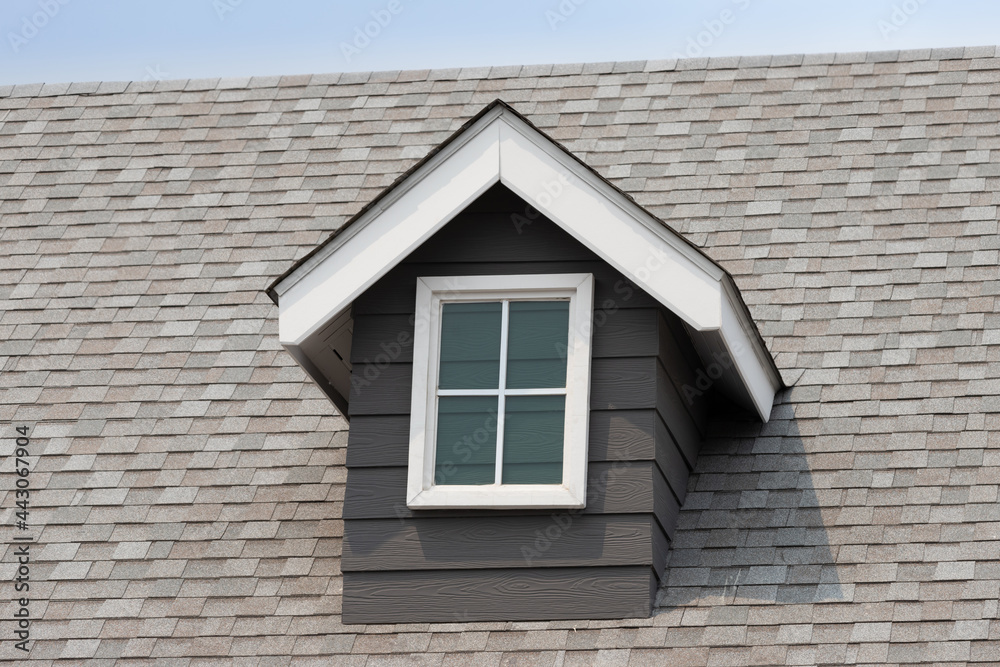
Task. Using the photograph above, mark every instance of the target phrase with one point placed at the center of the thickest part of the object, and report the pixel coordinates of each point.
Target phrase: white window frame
(432, 292)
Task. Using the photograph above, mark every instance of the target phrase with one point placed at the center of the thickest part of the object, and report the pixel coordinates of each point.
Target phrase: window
(501, 391)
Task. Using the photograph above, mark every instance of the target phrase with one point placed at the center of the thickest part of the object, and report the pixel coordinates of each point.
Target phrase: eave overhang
(500, 145)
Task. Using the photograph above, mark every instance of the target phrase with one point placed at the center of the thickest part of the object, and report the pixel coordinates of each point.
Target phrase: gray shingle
(193, 478)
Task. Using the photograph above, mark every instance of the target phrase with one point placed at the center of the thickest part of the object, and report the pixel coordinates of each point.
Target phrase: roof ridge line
(56, 89)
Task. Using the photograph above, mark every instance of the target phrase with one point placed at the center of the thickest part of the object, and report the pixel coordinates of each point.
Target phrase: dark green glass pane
(536, 344)
(533, 440)
(470, 346)
(466, 447)
(533, 473)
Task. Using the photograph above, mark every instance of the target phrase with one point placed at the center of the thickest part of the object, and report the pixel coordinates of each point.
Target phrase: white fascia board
(328, 283)
(757, 374)
(569, 194)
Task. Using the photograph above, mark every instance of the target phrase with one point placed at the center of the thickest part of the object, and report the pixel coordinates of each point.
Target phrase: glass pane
(536, 347)
(470, 346)
(466, 449)
(533, 440)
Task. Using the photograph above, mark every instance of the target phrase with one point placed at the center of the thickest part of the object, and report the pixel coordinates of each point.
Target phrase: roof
(187, 498)
(501, 146)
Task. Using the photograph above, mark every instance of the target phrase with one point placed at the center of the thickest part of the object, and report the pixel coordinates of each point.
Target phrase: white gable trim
(330, 281)
(502, 147)
(565, 192)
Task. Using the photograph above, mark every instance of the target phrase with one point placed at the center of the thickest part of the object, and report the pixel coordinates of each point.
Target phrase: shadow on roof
(751, 530)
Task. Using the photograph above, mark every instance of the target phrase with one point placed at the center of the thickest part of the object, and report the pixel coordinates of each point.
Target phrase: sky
(56, 41)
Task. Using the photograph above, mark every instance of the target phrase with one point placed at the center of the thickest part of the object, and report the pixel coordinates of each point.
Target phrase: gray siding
(618, 487)
(601, 562)
(453, 596)
(449, 542)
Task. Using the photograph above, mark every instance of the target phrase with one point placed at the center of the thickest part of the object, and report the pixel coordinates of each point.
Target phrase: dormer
(525, 357)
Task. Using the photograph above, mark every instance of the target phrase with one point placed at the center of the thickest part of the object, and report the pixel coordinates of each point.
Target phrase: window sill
(493, 496)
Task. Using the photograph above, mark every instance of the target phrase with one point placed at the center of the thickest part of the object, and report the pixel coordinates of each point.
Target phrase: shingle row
(189, 494)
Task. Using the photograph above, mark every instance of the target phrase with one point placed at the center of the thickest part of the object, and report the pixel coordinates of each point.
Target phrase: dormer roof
(499, 145)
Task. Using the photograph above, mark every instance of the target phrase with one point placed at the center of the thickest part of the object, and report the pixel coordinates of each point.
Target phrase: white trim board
(502, 147)
(421, 491)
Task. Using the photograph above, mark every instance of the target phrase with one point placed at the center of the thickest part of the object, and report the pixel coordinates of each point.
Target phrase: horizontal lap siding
(612, 488)
(555, 539)
(483, 595)
(678, 420)
(636, 475)
(684, 372)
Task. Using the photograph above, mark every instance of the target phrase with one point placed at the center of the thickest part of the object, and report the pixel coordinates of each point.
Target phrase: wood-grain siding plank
(495, 595)
(679, 334)
(622, 435)
(623, 332)
(678, 420)
(381, 390)
(378, 440)
(684, 371)
(616, 384)
(665, 505)
(661, 546)
(563, 538)
(670, 460)
(382, 338)
(612, 488)
(623, 384)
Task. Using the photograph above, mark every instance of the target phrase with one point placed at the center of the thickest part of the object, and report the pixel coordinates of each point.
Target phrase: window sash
(502, 392)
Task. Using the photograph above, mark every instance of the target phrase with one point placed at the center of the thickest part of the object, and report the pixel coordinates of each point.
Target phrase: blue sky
(89, 40)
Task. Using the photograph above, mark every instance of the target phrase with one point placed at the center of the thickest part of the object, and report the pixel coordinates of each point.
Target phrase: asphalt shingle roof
(187, 497)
